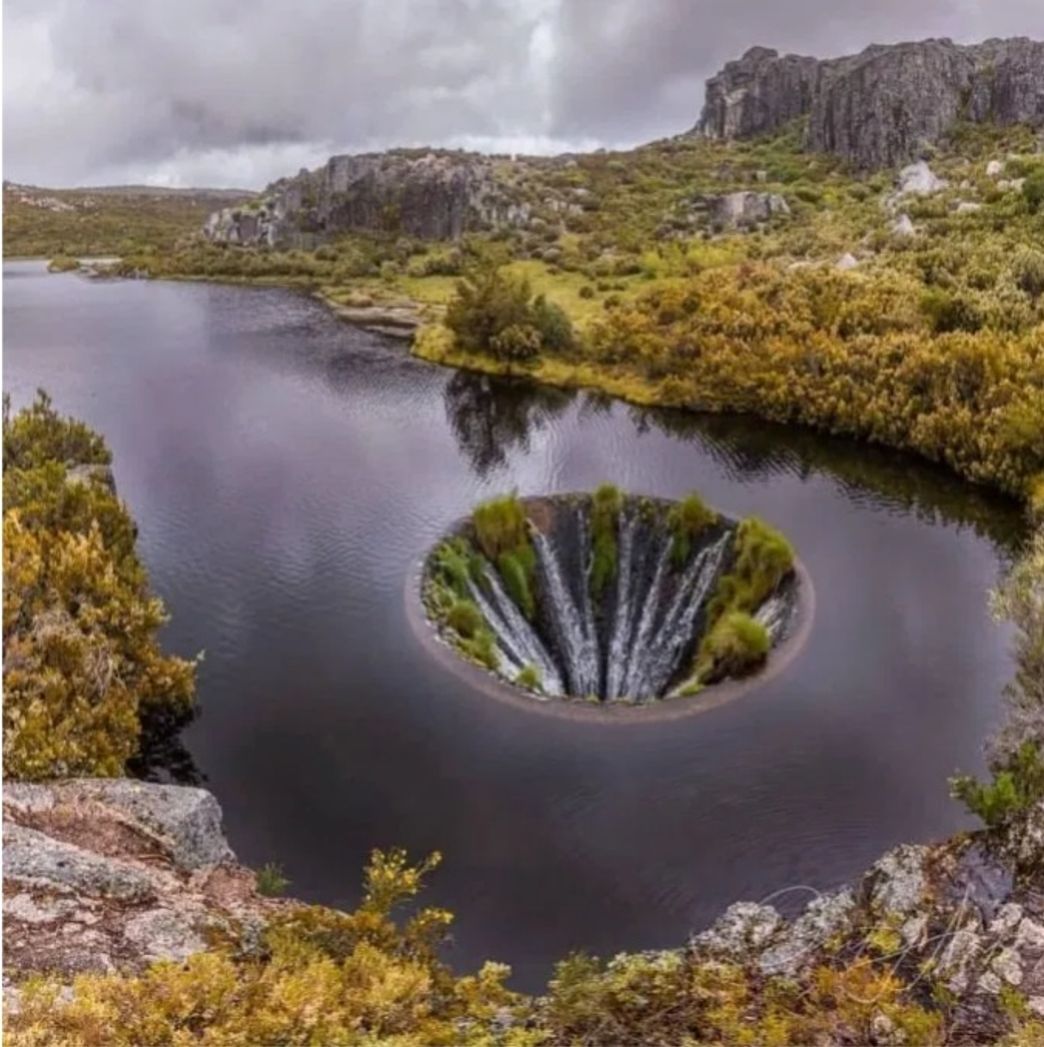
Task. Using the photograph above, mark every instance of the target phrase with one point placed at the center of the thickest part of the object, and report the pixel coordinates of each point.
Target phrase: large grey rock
(903, 226)
(897, 882)
(745, 209)
(431, 194)
(743, 930)
(919, 180)
(884, 105)
(34, 859)
(104, 874)
(798, 946)
(188, 820)
(165, 934)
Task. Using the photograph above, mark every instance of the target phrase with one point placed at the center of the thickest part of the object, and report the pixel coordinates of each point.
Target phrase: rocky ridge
(883, 106)
(431, 194)
(104, 875)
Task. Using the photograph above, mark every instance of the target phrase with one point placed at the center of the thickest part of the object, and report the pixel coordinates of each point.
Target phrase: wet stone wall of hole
(612, 598)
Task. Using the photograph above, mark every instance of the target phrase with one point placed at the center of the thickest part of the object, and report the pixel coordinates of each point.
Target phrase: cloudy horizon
(240, 92)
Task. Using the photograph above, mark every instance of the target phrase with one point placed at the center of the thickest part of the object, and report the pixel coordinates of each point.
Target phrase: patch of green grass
(606, 505)
(529, 678)
(687, 520)
(270, 880)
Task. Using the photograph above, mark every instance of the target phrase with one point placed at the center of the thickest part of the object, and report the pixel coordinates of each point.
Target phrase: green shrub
(606, 505)
(529, 678)
(481, 648)
(687, 520)
(949, 312)
(500, 525)
(736, 645)
(82, 666)
(270, 880)
(517, 569)
(497, 314)
(1029, 271)
(465, 618)
(1012, 790)
(1033, 189)
(457, 565)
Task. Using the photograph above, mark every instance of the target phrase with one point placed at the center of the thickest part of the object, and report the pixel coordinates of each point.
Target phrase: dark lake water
(288, 472)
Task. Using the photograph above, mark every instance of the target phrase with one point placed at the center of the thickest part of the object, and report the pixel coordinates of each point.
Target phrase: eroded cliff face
(429, 194)
(882, 106)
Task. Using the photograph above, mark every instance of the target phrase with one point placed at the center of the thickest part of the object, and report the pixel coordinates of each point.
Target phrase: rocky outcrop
(429, 194)
(104, 874)
(744, 210)
(951, 914)
(884, 105)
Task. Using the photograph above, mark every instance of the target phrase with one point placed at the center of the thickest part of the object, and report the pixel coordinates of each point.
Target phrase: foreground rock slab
(106, 874)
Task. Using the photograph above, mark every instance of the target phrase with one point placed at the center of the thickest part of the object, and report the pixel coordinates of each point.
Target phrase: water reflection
(494, 417)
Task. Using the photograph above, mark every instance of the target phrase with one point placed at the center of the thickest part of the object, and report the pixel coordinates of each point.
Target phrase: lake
(288, 473)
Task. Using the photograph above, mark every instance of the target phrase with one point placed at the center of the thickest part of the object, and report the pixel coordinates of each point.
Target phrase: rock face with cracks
(104, 874)
(883, 106)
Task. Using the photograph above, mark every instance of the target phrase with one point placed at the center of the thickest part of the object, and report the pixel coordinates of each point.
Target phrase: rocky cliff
(430, 194)
(884, 105)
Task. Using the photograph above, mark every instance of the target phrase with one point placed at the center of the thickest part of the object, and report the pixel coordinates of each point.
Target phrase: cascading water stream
(636, 667)
(621, 629)
(515, 637)
(574, 636)
(677, 628)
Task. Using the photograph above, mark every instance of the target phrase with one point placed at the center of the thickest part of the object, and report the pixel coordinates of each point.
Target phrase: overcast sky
(239, 92)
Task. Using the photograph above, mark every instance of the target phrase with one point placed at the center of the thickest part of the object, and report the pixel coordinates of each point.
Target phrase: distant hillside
(105, 220)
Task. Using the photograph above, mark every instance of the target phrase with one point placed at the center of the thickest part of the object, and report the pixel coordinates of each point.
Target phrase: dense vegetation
(624, 280)
(84, 222)
(83, 672)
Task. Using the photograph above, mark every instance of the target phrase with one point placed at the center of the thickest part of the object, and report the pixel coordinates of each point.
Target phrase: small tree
(496, 314)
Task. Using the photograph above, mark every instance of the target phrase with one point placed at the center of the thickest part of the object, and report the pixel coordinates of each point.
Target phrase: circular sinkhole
(615, 599)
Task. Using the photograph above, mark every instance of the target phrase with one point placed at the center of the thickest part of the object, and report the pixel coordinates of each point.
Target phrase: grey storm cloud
(237, 92)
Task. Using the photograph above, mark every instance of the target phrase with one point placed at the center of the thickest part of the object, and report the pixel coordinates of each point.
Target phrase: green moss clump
(481, 648)
(736, 645)
(529, 678)
(763, 558)
(464, 618)
(517, 568)
(606, 505)
(502, 533)
(62, 263)
(456, 562)
(500, 525)
(687, 520)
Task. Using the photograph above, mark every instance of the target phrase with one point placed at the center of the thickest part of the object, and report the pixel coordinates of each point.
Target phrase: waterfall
(773, 615)
(627, 643)
(638, 651)
(587, 616)
(621, 629)
(676, 630)
(574, 633)
(515, 637)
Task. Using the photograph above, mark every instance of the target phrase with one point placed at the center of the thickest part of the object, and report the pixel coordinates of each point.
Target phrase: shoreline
(428, 342)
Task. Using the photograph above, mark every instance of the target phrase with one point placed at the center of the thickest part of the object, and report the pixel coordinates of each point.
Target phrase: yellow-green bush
(364, 978)
(842, 352)
(82, 665)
